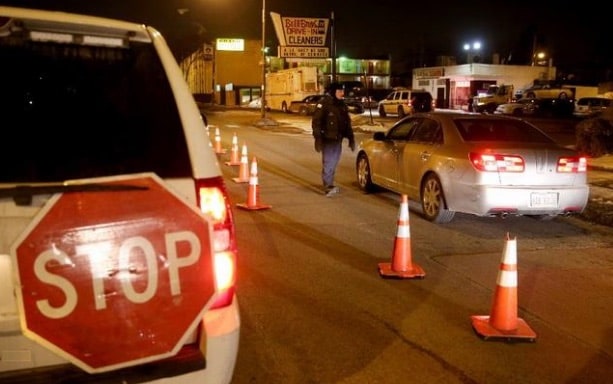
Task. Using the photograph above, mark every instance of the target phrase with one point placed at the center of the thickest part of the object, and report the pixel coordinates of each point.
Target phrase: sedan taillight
(575, 164)
(487, 162)
(213, 201)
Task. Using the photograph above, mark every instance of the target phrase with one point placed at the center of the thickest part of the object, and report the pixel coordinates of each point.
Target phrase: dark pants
(330, 155)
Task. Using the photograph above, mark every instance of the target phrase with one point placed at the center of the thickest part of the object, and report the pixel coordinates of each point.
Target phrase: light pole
(264, 121)
(263, 89)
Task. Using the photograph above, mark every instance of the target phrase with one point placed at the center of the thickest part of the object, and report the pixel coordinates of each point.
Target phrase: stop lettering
(110, 279)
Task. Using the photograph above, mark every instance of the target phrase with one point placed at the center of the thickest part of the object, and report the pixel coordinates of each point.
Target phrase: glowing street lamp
(540, 59)
(472, 50)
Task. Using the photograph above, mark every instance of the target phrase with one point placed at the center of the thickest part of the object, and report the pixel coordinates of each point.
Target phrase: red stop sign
(110, 279)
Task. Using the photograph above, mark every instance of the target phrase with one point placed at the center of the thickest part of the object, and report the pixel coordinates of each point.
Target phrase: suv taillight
(212, 199)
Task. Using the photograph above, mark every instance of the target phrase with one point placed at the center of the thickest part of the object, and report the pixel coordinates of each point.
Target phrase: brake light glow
(212, 200)
(487, 162)
(572, 164)
(213, 203)
(224, 270)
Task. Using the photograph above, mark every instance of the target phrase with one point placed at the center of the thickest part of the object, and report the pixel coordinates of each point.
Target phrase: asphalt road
(315, 310)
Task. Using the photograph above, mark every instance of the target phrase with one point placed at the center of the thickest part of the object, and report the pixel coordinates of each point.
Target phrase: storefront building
(453, 86)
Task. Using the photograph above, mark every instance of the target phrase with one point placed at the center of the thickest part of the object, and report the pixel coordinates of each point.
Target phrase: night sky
(411, 33)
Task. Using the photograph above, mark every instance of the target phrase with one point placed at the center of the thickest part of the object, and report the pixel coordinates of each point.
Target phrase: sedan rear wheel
(433, 201)
(363, 173)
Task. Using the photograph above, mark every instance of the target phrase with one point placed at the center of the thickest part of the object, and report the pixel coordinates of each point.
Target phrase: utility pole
(263, 89)
(333, 47)
(264, 121)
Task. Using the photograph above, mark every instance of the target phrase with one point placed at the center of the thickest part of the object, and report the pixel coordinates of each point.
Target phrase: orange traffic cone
(503, 322)
(243, 171)
(218, 148)
(234, 160)
(401, 265)
(253, 194)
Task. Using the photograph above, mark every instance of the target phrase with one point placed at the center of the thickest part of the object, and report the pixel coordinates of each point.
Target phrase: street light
(539, 58)
(475, 47)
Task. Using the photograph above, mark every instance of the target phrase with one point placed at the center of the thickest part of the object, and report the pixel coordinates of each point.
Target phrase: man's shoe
(332, 191)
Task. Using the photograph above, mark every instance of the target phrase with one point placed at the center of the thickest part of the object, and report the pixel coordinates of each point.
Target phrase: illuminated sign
(429, 72)
(305, 52)
(300, 31)
(231, 45)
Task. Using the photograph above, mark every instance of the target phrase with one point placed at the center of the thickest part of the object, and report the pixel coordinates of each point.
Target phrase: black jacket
(331, 120)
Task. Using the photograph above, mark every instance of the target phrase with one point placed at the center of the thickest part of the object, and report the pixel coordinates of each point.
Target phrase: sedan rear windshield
(505, 130)
(75, 111)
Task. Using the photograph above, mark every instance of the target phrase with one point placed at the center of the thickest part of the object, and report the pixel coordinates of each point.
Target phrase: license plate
(544, 200)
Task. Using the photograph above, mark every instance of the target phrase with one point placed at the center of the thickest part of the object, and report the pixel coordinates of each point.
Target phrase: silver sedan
(518, 108)
(483, 165)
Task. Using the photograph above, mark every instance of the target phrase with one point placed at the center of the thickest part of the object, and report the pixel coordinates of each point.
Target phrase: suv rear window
(94, 111)
(421, 101)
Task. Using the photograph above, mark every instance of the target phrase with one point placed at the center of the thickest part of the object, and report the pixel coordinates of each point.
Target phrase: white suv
(404, 102)
(117, 240)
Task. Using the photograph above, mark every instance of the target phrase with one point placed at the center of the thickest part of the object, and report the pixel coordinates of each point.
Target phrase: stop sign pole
(111, 279)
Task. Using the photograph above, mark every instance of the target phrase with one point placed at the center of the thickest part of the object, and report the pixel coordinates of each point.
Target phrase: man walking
(331, 124)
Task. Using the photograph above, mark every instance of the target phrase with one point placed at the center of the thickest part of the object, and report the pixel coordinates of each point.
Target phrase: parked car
(357, 96)
(517, 108)
(369, 102)
(483, 165)
(256, 104)
(306, 106)
(548, 91)
(117, 239)
(591, 106)
(404, 102)
(554, 107)
(354, 106)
